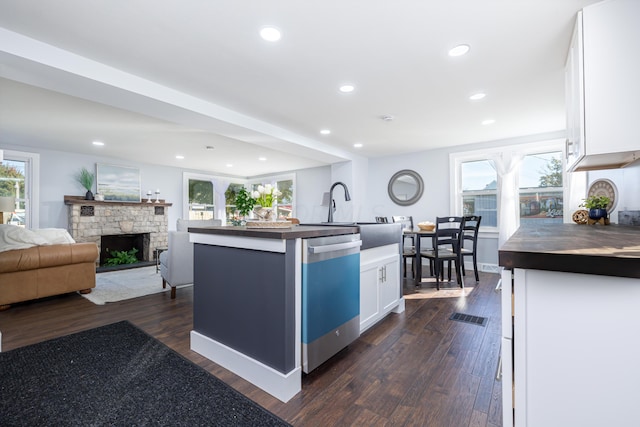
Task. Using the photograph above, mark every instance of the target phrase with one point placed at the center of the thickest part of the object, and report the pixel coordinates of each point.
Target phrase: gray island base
(247, 305)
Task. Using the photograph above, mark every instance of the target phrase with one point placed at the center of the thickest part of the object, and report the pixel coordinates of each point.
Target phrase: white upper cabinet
(603, 87)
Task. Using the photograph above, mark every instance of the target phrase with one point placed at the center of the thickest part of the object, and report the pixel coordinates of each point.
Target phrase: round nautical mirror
(405, 187)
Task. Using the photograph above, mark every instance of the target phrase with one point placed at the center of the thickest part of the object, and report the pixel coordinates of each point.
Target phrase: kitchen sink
(372, 234)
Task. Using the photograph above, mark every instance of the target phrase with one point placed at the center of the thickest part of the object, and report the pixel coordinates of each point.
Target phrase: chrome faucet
(332, 204)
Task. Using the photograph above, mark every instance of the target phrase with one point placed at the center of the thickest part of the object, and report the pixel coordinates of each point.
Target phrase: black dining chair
(382, 220)
(470, 233)
(447, 242)
(408, 244)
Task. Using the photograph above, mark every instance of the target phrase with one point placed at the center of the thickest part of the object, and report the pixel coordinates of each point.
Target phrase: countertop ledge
(611, 250)
(295, 232)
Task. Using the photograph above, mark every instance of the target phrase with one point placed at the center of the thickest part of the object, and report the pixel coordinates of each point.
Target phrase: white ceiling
(153, 79)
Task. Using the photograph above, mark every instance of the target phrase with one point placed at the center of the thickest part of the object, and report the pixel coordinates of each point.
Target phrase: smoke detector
(387, 118)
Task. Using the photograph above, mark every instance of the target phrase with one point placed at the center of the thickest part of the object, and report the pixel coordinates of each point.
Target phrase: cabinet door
(390, 285)
(611, 37)
(369, 300)
(574, 98)
(576, 352)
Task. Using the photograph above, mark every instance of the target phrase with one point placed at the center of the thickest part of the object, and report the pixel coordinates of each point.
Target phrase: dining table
(419, 234)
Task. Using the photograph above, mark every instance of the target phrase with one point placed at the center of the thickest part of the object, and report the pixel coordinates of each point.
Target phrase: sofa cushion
(13, 237)
(55, 236)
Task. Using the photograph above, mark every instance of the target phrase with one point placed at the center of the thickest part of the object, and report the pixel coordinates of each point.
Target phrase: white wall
(627, 181)
(57, 179)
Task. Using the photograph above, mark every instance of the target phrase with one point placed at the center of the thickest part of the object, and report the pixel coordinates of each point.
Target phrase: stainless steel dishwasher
(330, 297)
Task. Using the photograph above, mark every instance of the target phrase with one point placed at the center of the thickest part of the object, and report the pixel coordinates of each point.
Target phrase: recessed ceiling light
(209, 147)
(262, 159)
(270, 34)
(477, 96)
(229, 165)
(459, 50)
(358, 145)
(488, 122)
(325, 131)
(99, 143)
(179, 157)
(347, 88)
(387, 118)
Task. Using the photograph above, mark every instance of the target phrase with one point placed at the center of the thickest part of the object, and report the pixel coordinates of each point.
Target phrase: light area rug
(121, 285)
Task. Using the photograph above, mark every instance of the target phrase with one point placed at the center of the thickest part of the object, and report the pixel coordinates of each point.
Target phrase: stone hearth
(89, 220)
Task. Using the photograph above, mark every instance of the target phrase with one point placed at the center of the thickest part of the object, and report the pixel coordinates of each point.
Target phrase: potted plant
(597, 206)
(244, 205)
(86, 178)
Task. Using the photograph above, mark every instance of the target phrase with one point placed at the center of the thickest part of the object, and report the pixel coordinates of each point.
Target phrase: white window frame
(272, 179)
(220, 212)
(31, 187)
(455, 172)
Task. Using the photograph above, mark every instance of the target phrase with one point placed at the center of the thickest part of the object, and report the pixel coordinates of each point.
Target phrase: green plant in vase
(244, 205)
(597, 206)
(86, 178)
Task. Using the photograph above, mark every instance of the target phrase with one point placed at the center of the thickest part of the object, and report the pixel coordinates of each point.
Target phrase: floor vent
(467, 318)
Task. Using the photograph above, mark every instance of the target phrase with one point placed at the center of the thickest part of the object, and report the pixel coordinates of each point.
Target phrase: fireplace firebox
(125, 242)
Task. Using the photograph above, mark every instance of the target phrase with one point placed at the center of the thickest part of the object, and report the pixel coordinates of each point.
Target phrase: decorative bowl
(426, 226)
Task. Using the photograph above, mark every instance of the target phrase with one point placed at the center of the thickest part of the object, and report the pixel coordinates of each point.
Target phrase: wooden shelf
(80, 200)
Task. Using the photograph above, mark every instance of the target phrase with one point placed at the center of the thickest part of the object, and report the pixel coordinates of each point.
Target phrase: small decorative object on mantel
(597, 206)
(149, 194)
(99, 197)
(86, 178)
(158, 195)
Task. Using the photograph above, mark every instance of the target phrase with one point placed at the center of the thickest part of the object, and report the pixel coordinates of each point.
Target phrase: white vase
(263, 214)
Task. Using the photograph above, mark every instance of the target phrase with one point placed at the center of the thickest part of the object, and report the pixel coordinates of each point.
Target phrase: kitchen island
(247, 304)
(570, 295)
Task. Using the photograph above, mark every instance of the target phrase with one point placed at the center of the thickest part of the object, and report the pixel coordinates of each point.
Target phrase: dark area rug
(116, 375)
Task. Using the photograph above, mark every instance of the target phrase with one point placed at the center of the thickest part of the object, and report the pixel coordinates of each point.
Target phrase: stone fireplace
(119, 225)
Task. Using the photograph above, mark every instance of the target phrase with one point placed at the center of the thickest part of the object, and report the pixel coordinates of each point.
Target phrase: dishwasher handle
(335, 247)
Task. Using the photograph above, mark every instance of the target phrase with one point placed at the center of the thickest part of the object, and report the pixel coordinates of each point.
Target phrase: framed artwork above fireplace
(118, 183)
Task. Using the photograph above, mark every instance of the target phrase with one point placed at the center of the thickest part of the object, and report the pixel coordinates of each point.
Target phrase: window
(230, 200)
(285, 204)
(201, 204)
(480, 190)
(208, 196)
(498, 181)
(18, 172)
(541, 189)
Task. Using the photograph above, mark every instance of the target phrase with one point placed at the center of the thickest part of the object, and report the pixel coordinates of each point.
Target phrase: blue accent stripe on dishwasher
(330, 295)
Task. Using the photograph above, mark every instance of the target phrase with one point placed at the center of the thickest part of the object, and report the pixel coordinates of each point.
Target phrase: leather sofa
(47, 270)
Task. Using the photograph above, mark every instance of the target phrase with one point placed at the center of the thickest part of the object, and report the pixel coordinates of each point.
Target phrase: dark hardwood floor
(417, 368)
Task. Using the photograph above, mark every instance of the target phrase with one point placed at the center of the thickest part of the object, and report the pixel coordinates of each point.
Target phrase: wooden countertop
(295, 232)
(611, 250)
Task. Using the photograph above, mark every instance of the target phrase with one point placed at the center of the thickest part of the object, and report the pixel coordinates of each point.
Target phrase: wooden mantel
(80, 200)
